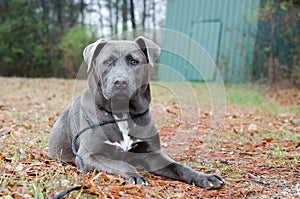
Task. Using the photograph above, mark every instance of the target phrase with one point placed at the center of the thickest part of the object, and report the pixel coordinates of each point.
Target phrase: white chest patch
(127, 142)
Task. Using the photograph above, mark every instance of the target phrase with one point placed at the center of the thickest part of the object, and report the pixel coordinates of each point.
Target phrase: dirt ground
(254, 145)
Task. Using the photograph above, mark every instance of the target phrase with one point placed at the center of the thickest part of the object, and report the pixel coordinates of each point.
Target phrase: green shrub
(72, 45)
(296, 75)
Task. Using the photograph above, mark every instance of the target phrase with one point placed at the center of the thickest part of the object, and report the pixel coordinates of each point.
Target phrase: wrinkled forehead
(119, 49)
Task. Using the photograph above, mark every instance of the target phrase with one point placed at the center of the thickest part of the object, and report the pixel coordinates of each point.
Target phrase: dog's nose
(121, 83)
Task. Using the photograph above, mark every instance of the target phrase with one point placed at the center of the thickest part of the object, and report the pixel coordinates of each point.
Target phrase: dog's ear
(151, 50)
(91, 52)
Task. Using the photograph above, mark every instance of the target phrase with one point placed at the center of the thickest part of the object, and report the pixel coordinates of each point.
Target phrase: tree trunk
(132, 15)
(124, 16)
(153, 19)
(45, 14)
(117, 16)
(144, 13)
(153, 13)
(81, 10)
(58, 6)
(73, 14)
(100, 19)
(110, 20)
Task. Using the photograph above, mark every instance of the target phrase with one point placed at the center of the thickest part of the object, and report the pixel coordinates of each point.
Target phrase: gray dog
(118, 90)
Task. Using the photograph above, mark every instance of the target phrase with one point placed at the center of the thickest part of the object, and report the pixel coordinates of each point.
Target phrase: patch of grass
(236, 175)
(296, 160)
(253, 96)
(280, 134)
(202, 92)
(225, 169)
(279, 152)
(296, 111)
(179, 92)
(246, 95)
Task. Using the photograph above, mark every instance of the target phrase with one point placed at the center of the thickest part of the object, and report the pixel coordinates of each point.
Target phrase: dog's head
(119, 72)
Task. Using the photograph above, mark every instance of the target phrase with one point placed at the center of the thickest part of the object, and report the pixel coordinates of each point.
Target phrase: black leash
(91, 125)
(77, 135)
(65, 192)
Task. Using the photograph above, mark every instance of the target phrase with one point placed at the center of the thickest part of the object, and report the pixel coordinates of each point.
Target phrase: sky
(93, 18)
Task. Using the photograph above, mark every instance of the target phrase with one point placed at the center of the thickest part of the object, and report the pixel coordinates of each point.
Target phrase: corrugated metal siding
(234, 43)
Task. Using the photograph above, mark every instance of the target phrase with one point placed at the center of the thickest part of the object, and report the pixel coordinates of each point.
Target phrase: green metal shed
(226, 29)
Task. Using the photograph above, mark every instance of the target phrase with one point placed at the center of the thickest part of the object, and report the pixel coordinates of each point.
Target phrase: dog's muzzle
(121, 83)
(119, 88)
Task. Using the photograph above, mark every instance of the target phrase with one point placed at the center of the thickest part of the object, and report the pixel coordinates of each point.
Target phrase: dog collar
(111, 113)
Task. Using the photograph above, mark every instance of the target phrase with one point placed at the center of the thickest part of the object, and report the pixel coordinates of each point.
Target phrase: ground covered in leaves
(256, 149)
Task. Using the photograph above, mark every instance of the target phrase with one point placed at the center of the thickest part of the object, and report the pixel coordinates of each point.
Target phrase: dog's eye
(134, 62)
(107, 62)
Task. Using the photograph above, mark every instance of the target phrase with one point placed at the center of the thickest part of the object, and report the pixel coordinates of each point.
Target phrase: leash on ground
(91, 125)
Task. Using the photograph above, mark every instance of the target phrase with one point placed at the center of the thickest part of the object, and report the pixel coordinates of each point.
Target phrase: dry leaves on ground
(257, 151)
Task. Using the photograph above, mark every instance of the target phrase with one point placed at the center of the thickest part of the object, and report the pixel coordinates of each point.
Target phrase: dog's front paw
(138, 180)
(208, 181)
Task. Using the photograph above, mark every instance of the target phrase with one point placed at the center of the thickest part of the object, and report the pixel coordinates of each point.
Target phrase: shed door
(208, 34)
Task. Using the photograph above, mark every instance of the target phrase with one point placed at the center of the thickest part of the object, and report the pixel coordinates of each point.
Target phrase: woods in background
(41, 38)
(45, 38)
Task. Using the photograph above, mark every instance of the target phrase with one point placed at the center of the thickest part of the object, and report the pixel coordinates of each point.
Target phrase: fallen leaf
(171, 111)
(252, 127)
(235, 131)
(270, 139)
(18, 196)
(2, 157)
(5, 132)
(298, 142)
(177, 125)
(105, 176)
(3, 107)
(31, 156)
(123, 188)
(91, 187)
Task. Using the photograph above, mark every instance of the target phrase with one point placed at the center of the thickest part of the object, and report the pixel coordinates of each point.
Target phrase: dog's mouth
(120, 100)
(117, 94)
(120, 95)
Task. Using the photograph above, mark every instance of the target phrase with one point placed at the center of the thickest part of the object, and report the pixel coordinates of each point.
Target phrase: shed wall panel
(234, 52)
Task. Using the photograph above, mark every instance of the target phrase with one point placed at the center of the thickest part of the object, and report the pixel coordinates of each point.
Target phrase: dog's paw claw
(139, 180)
(209, 181)
(215, 181)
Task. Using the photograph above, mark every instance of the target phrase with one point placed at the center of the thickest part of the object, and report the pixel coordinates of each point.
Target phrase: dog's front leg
(183, 173)
(116, 167)
(161, 164)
